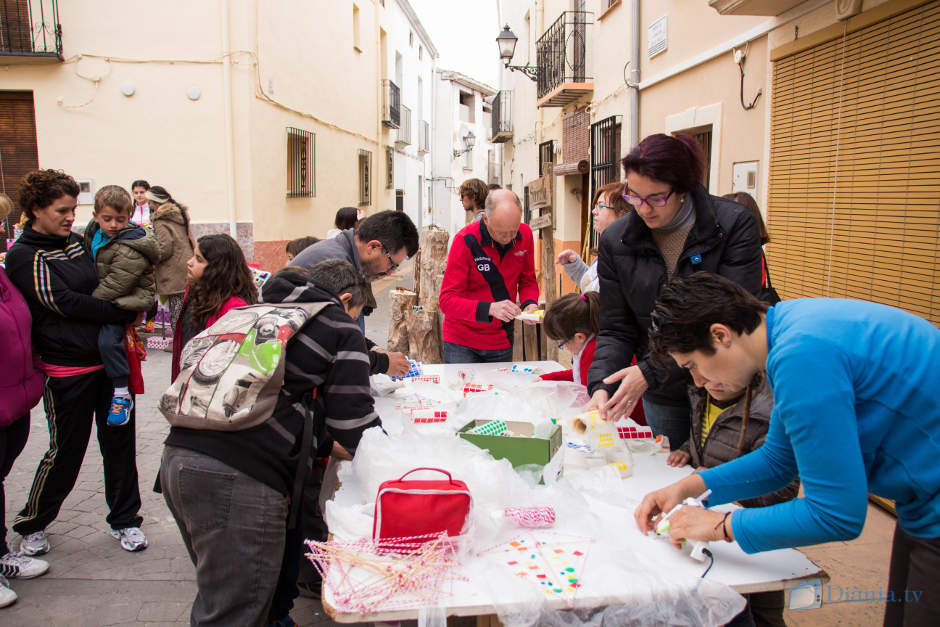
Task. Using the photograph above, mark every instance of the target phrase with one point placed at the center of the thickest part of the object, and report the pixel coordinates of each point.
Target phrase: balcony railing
(502, 117)
(391, 104)
(30, 29)
(404, 131)
(424, 136)
(561, 55)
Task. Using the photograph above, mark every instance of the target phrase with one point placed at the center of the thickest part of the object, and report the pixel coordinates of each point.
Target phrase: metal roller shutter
(854, 189)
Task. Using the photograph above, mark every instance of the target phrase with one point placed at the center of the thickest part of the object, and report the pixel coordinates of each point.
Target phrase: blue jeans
(673, 422)
(233, 527)
(460, 354)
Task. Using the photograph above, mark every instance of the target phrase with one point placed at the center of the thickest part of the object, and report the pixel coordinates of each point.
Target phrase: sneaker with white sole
(7, 596)
(120, 413)
(22, 567)
(132, 538)
(35, 543)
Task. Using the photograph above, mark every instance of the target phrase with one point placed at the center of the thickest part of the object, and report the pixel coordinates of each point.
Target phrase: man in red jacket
(491, 265)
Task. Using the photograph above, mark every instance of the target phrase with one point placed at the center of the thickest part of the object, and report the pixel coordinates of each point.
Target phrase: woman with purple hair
(676, 228)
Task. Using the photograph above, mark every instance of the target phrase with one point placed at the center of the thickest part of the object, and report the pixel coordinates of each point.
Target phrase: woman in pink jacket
(20, 389)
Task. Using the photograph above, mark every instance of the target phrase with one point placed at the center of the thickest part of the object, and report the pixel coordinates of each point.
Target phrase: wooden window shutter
(18, 149)
(854, 189)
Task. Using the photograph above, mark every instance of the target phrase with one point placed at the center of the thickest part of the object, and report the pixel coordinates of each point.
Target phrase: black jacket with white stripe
(329, 356)
(57, 277)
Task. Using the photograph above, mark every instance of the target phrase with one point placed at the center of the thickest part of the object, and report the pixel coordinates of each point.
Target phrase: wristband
(724, 527)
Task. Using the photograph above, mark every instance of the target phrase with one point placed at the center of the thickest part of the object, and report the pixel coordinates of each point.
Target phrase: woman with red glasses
(676, 228)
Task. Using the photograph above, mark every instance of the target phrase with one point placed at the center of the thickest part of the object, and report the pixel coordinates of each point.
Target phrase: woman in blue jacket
(856, 411)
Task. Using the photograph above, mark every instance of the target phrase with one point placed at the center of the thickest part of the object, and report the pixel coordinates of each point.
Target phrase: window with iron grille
(300, 163)
(546, 153)
(605, 157)
(365, 177)
(389, 168)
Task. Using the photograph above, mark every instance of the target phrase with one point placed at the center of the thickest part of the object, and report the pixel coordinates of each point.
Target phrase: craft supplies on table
(533, 316)
(624, 568)
(531, 517)
(413, 507)
(414, 370)
(519, 443)
(424, 415)
(474, 388)
(552, 562)
(427, 378)
(493, 427)
(363, 576)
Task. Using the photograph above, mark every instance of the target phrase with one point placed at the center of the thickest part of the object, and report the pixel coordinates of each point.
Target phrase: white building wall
(520, 154)
(417, 60)
(452, 123)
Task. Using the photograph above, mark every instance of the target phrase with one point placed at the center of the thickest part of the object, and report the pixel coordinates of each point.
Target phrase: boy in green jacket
(124, 256)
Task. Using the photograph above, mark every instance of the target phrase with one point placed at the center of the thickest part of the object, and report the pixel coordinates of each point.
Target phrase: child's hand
(398, 365)
(340, 453)
(566, 256)
(678, 458)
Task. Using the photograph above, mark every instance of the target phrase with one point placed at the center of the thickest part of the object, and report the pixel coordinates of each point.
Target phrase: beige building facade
(738, 74)
(263, 117)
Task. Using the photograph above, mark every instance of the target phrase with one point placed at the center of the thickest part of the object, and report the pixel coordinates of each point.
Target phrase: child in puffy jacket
(726, 424)
(124, 255)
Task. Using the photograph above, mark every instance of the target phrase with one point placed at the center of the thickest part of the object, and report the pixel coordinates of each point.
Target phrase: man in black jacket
(676, 228)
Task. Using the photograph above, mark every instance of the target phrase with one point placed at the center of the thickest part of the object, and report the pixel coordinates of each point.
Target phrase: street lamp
(468, 141)
(507, 47)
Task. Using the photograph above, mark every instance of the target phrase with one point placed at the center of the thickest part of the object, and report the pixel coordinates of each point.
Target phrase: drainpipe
(634, 73)
(227, 120)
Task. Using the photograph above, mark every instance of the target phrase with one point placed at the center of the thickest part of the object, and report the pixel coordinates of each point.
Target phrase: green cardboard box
(519, 449)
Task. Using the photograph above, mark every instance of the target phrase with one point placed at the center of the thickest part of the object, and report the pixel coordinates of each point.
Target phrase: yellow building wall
(293, 64)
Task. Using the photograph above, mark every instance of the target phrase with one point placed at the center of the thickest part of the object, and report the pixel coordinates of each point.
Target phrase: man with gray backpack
(241, 441)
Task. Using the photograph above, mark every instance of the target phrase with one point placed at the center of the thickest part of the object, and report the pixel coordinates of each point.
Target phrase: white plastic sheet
(623, 571)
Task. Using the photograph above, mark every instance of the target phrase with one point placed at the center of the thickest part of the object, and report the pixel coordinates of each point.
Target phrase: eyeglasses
(561, 345)
(392, 265)
(600, 206)
(655, 201)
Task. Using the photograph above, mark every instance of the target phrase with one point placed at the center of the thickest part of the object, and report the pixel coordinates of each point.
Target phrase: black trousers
(113, 354)
(295, 566)
(913, 581)
(12, 440)
(71, 403)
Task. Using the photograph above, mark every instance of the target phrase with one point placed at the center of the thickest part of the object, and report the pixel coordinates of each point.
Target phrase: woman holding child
(49, 266)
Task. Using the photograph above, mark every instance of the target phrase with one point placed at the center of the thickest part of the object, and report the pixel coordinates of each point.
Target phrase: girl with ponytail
(572, 322)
